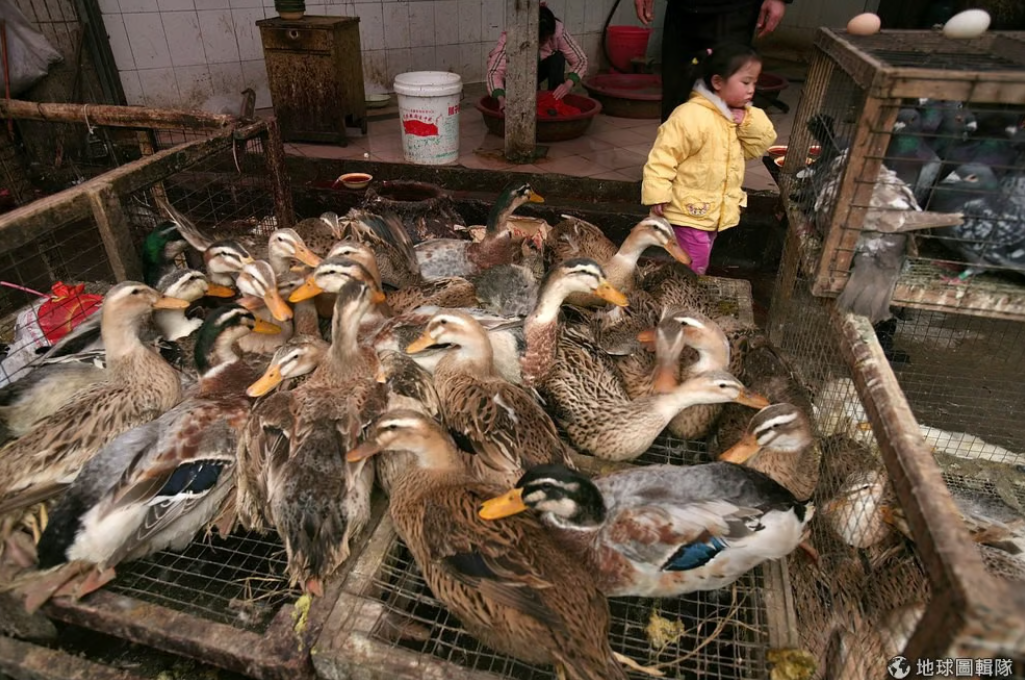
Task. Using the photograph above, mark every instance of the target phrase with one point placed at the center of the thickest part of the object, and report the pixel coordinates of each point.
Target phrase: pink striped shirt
(561, 41)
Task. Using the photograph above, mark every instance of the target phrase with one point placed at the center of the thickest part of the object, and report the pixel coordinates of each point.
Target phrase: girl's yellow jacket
(697, 162)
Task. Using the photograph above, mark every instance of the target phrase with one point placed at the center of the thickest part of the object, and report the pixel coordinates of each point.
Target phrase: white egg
(970, 23)
(864, 24)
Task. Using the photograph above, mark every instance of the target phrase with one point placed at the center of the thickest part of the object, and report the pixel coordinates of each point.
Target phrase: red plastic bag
(550, 107)
(67, 307)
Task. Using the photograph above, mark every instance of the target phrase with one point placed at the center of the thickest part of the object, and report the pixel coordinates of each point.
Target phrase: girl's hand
(562, 90)
(738, 115)
(659, 209)
(645, 11)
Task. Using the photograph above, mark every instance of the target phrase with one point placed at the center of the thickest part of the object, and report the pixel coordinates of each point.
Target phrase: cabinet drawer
(296, 39)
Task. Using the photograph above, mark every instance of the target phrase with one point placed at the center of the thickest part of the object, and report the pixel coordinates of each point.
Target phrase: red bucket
(625, 43)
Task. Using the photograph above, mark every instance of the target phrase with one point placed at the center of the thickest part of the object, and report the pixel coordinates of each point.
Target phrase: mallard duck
(156, 485)
(440, 258)
(662, 530)
(138, 385)
(385, 235)
(779, 441)
(160, 251)
(576, 238)
(499, 422)
(510, 584)
(269, 427)
(862, 512)
(318, 503)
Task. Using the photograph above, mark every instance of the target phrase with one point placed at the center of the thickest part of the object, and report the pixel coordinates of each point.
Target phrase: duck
(138, 385)
(574, 237)
(320, 504)
(501, 423)
(510, 584)
(780, 442)
(588, 400)
(260, 295)
(501, 245)
(661, 530)
(268, 429)
(862, 512)
(692, 329)
(160, 251)
(386, 236)
(155, 486)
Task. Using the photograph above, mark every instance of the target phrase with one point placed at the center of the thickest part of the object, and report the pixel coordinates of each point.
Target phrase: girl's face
(739, 89)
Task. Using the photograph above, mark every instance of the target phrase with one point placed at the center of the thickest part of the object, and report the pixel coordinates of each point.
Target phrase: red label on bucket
(419, 128)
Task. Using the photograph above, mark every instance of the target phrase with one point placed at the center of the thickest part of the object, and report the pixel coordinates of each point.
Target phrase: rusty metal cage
(914, 108)
(919, 523)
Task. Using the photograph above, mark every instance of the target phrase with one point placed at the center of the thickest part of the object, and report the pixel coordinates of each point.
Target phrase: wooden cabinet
(315, 71)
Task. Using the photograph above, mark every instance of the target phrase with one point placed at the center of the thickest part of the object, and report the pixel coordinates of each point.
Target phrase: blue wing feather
(694, 555)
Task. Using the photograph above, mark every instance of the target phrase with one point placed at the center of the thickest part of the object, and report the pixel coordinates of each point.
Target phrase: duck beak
(306, 256)
(752, 399)
(505, 505)
(277, 305)
(647, 338)
(269, 380)
(171, 303)
(420, 344)
(606, 292)
(535, 197)
(378, 297)
(678, 253)
(742, 451)
(363, 451)
(665, 379)
(265, 327)
(217, 290)
(308, 290)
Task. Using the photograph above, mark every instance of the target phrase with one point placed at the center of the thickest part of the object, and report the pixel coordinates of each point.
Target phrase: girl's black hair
(545, 24)
(725, 60)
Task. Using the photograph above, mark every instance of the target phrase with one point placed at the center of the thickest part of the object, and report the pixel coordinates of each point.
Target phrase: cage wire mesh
(863, 599)
(955, 156)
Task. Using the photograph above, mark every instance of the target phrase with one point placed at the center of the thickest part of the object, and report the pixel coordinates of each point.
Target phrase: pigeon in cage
(910, 156)
(993, 230)
(999, 142)
(956, 126)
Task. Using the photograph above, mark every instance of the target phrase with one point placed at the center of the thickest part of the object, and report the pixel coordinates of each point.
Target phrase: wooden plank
(859, 179)
(115, 116)
(117, 240)
(274, 148)
(942, 541)
(26, 661)
(521, 17)
(861, 67)
(780, 613)
(986, 88)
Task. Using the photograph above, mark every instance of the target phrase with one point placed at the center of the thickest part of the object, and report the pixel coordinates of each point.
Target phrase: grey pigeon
(908, 155)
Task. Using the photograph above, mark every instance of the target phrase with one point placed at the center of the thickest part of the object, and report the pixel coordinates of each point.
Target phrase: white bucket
(429, 113)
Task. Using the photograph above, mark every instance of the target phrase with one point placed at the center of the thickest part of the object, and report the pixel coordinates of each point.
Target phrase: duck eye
(136, 291)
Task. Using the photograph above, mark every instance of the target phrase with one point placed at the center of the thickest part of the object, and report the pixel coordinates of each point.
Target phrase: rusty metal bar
(115, 116)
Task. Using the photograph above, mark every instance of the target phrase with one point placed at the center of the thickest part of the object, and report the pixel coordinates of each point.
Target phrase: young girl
(561, 61)
(695, 170)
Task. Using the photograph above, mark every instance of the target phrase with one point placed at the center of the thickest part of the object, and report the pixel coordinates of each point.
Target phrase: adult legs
(553, 69)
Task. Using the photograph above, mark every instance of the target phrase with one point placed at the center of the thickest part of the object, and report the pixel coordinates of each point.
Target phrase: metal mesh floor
(720, 634)
(236, 580)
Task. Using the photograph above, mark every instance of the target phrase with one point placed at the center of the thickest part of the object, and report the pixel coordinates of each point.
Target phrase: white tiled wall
(182, 52)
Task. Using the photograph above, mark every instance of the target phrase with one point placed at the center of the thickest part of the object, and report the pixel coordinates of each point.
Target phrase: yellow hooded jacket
(697, 162)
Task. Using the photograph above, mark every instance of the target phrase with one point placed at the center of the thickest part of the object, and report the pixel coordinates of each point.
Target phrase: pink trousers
(698, 244)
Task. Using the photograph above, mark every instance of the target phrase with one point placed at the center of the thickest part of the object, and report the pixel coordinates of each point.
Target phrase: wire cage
(904, 113)
(919, 517)
(387, 624)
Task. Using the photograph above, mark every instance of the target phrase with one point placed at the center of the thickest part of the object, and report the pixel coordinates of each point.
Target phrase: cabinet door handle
(293, 33)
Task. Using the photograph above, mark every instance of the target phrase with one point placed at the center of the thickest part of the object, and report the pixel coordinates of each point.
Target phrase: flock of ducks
(450, 376)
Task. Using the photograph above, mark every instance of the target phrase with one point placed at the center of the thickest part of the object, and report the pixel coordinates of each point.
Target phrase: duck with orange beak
(661, 530)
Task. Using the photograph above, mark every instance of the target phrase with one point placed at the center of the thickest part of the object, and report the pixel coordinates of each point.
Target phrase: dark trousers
(553, 69)
(686, 35)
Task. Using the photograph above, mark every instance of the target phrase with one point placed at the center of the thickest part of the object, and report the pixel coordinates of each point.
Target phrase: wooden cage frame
(884, 86)
(970, 612)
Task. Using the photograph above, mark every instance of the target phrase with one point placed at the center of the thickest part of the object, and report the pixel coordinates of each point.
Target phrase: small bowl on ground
(777, 151)
(354, 180)
(377, 101)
